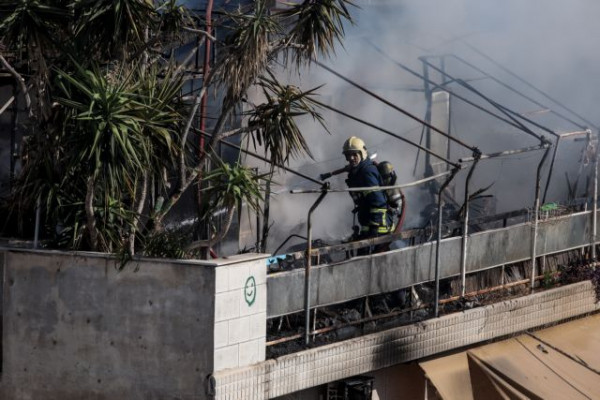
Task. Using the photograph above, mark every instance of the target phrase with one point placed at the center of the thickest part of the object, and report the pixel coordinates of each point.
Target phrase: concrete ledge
(361, 355)
(75, 327)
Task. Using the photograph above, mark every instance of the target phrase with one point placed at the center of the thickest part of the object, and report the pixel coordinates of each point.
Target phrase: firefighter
(370, 205)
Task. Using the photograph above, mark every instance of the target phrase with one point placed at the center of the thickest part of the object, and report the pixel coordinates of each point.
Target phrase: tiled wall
(361, 355)
(240, 314)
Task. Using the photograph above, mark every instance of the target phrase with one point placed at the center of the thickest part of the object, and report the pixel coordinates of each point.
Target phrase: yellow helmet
(355, 145)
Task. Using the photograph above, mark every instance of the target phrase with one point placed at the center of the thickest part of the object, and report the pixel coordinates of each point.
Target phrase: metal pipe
(438, 241)
(505, 153)
(574, 133)
(443, 87)
(551, 168)
(429, 104)
(308, 261)
(505, 110)
(465, 233)
(408, 114)
(13, 137)
(266, 212)
(362, 189)
(496, 63)
(536, 207)
(595, 209)
(511, 114)
(36, 232)
(505, 85)
(352, 117)
(205, 72)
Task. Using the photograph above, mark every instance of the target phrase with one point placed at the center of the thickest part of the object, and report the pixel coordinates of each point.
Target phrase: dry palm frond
(273, 123)
(317, 26)
(246, 51)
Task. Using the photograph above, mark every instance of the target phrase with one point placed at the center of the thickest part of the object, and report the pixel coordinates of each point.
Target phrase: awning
(562, 362)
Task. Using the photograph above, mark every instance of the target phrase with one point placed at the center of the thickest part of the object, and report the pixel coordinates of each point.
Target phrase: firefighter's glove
(324, 176)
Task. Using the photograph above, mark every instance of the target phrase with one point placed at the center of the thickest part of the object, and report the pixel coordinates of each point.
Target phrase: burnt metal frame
(477, 156)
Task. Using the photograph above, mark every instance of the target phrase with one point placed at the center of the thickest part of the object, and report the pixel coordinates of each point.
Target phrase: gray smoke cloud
(551, 44)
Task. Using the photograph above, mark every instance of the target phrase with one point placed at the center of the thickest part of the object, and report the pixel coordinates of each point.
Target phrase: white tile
(238, 275)
(227, 305)
(227, 357)
(261, 298)
(221, 279)
(239, 330)
(250, 298)
(221, 334)
(249, 353)
(258, 325)
(262, 348)
(258, 269)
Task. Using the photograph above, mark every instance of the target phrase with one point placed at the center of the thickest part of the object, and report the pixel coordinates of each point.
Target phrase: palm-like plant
(110, 28)
(115, 121)
(32, 25)
(316, 26)
(229, 186)
(119, 128)
(273, 123)
(30, 29)
(246, 51)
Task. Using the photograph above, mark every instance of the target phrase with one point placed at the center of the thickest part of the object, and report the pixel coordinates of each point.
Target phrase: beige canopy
(562, 362)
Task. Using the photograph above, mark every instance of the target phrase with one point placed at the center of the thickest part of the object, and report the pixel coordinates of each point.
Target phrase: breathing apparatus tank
(388, 176)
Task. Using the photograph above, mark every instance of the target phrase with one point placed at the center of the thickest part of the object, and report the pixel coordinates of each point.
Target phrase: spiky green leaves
(232, 185)
(245, 53)
(112, 27)
(274, 125)
(114, 129)
(317, 26)
(33, 24)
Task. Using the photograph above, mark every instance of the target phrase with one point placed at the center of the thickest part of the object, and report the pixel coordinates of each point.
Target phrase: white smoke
(551, 44)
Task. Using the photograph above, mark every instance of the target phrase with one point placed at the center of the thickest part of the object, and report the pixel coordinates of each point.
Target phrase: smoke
(551, 44)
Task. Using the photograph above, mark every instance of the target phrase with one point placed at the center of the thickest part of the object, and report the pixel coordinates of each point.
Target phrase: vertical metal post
(13, 136)
(550, 170)
(36, 232)
(536, 207)
(465, 232)
(266, 210)
(595, 209)
(438, 241)
(258, 243)
(308, 262)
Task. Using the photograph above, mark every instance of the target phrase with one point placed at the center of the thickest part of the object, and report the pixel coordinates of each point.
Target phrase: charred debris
(449, 214)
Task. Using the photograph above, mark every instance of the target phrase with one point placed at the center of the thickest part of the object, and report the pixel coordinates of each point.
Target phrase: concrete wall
(240, 327)
(385, 272)
(362, 355)
(403, 381)
(74, 327)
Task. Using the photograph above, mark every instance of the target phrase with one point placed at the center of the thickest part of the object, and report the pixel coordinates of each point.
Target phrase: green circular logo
(250, 290)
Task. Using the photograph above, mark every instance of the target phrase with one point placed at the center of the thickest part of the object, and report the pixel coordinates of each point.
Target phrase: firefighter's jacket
(370, 205)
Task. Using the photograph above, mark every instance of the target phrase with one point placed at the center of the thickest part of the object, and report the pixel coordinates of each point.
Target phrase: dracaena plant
(111, 125)
(228, 187)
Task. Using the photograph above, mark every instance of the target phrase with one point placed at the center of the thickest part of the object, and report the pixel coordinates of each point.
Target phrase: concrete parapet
(75, 327)
(367, 353)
